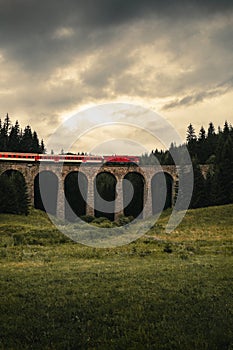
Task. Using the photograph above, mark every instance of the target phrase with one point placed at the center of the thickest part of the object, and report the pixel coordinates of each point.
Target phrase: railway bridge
(59, 173)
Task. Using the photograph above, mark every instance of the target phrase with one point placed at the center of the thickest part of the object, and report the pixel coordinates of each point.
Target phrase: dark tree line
(213, 148)
(216, 150)
(13, 189)
(14, 139)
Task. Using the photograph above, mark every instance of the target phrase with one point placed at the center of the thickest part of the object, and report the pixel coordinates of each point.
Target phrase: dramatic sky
(173, 57)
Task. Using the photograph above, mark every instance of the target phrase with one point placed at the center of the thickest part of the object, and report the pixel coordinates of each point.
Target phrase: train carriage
(70, 158)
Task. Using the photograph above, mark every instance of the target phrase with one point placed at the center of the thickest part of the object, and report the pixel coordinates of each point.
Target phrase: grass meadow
(164, 291)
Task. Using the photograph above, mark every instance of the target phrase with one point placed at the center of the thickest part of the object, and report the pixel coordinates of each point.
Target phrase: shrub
(100, 220)
(124, 220)
(87, 218)
(167, 248)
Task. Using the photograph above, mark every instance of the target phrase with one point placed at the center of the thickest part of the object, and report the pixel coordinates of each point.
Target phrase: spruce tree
(8, 195)
(199, 195)
(14, 138)
(35, 143)
(42, 147)
(190, 134)
(7, 123)
(21, 193)
(191, 141)
(201, 151)
(211, 141)
(13, 194)
(4, 135)
(27, 141)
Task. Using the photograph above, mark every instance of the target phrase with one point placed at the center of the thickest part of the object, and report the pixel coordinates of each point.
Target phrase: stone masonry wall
(31, 170)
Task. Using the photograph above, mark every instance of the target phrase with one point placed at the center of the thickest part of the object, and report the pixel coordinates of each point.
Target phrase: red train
(69, 158)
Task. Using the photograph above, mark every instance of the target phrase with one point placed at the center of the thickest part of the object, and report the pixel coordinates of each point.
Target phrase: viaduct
(30, 171)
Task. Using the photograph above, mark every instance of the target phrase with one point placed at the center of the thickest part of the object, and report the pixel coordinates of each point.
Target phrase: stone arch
(158, 191)
(135, 207)
(105, 188)
(46, 188)
(75, 188)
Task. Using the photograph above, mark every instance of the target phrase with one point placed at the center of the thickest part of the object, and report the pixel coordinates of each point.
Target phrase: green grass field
(164, 291)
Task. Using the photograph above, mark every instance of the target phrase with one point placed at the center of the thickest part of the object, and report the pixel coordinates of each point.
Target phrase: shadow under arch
(75, 187)
(158, 190)
(46, 182)
(13, 192)
(105, 185)
(135, 207)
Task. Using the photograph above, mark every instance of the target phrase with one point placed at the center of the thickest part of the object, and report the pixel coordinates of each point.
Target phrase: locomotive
(69, 158)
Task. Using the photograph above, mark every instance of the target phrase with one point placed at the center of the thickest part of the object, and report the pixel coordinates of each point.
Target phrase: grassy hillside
(164, 291)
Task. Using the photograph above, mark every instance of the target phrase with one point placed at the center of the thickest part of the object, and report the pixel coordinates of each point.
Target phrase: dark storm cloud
(27, 26)
(105, 12)
(200, 96)
(105, 43)
(191, 99)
